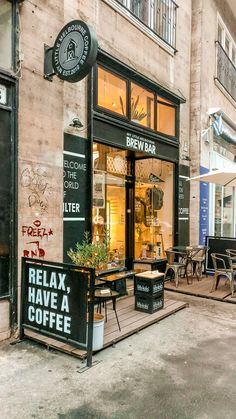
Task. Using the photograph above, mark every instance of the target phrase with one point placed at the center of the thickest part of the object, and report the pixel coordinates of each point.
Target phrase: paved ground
(182, 367)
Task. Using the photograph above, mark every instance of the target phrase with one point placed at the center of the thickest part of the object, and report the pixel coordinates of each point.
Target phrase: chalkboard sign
(218, 245)
(54, 301)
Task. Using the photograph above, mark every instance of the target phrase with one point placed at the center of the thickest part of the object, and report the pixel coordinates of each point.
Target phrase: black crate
(149, 304)
(149, 286)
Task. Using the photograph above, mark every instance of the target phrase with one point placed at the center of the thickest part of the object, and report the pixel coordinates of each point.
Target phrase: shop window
(112, 92)
(166, 117)
(109, 200)
(153, 208)
(224, 211)
(142, 106)
(5, 34)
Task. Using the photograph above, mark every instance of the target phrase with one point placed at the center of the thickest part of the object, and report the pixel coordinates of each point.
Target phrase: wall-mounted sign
(3, 94)
(136, 142)
(204, 209)
(183, 207)
(77, 191)
(74, 51)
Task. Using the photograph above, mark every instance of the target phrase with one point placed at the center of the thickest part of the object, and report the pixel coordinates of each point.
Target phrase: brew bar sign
(55, 301)
(74, 51)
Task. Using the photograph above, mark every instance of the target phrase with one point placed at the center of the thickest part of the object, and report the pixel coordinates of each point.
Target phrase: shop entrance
(132, 205)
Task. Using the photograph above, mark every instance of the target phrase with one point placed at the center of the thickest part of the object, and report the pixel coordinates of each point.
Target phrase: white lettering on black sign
(48, 300)
(140, 144)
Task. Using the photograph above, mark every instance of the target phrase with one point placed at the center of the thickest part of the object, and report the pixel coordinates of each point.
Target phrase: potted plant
(136, 114)
(90, 254)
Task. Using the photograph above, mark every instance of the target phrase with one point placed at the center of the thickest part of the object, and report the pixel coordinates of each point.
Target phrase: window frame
(102, 108)
(157, 92)
(226, 35)
(169, 42)
(170, 105)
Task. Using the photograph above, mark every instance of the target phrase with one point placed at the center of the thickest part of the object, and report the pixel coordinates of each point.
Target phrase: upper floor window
(226, 41)
(226, 59)
(112, 92)
(166, 112)
(5, 34)
(158, 15)
(142, 106)
(134, 102)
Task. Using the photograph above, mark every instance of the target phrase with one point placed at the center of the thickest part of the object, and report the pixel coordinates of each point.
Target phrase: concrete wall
(205, 93)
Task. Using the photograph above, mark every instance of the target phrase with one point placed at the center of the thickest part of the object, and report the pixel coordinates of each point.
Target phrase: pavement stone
(182, 367)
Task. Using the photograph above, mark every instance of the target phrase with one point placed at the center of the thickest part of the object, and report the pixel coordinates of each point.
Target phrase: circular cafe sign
(74, 51)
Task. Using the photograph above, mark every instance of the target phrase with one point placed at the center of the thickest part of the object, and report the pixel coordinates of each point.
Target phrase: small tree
(89, 254)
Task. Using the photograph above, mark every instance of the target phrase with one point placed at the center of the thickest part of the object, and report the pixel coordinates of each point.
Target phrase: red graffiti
(36, 230)
(36, 253)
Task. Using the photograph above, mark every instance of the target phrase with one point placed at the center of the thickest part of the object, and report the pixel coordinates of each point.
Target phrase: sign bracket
(48, 68)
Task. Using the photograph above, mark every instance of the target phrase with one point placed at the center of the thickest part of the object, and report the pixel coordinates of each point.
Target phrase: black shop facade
(128, 172)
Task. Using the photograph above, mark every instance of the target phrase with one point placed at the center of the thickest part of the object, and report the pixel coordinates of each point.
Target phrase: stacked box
(149, 291)
(149, 304)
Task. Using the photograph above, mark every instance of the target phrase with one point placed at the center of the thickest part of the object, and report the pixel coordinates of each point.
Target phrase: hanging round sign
(74, 51)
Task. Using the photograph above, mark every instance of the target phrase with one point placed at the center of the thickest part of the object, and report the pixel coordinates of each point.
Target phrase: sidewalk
(182, 367)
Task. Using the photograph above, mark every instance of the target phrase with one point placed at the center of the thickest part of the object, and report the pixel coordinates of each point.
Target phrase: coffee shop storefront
(135, 153)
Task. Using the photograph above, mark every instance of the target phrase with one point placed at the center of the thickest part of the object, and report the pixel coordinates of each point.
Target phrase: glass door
(153, 208)
(109, 201)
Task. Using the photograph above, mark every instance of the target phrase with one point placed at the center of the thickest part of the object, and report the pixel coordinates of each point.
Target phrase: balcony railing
(226, 71)
(157, 15)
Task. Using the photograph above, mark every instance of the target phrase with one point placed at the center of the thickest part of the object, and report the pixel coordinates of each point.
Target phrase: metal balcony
(157, 15)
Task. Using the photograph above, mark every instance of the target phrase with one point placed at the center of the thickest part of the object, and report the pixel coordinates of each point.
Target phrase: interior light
(113, 104)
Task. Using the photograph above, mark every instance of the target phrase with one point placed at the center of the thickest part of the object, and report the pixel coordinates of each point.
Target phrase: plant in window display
(136, 114)
(90, 254)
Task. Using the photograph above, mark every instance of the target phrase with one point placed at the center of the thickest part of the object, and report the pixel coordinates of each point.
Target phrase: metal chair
(223, 267)
(232, 254)
(174, 265)
(198, 258)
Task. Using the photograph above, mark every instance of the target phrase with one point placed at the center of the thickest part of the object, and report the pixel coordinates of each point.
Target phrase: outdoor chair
(232, 254)
(174, 265)
(223, 267)
(198, 258)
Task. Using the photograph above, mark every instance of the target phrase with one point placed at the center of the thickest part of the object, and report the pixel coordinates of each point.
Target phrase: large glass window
(112, 95)
(153, 208)
(142, 106)
(5, 34)
(109, 200)
(112, 92)
(224, 211)
(166, 118)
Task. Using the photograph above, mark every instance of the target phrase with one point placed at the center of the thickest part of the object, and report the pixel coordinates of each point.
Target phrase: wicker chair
(223, 267)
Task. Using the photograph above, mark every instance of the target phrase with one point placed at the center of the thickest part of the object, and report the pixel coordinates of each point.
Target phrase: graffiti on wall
(37, 236)
(36, 182)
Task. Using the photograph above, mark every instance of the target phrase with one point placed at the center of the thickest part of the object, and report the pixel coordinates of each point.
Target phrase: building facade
(213, 112)
(111, 152)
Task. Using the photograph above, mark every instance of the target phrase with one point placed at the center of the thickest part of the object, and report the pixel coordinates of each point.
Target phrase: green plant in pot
(137, 115)
(90, 254)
